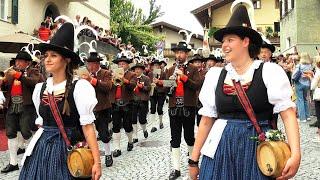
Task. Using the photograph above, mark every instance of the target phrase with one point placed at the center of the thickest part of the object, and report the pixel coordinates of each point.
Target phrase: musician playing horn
(121, 98)
(19, 82)
(101, 80)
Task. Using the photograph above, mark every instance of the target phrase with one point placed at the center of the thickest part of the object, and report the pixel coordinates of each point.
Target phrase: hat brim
(158, 62)
(193, 60)
(116, 61)
(180, 49)
(22, 59)
(253, 35)
(134, 67)
(269, 46)
(75, 59)
(93, 59)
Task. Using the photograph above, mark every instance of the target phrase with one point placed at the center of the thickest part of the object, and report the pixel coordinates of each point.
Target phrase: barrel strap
(58, 118)
(243, 98)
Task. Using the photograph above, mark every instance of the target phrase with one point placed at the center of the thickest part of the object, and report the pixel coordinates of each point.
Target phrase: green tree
(129, 23)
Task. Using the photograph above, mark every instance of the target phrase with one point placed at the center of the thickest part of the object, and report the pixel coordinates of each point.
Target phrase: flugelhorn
(6, 72)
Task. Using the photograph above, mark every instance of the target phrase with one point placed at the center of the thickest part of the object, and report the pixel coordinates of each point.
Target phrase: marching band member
(158, 96)
(121, 98)
(101, 80)
(141, 98)
(19, 82)
(182, 104)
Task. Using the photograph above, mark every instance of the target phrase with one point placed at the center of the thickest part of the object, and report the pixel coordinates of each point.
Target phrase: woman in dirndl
(46, 155)
(225, 126)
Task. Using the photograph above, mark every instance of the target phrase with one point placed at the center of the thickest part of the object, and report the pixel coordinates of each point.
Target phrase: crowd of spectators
(48, 28)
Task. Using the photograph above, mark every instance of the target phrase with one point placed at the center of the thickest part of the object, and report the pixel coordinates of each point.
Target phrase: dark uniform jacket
(127, 88)
(190, 87)
(28, 82)
(103, 88)
(142, 94)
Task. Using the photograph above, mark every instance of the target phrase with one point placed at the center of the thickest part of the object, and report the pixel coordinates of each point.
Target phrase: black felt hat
(140, 65)
(271, 47)
(181, 46)
(94, 57)
(122, 58)
(155, 61)
(23, 55)
(63, 43)
(239, 24)
(196, 57)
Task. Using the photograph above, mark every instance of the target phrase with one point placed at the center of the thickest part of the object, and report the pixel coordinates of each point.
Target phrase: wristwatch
(193, 163)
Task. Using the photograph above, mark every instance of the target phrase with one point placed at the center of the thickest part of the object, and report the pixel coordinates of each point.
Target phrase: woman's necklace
(242, 69)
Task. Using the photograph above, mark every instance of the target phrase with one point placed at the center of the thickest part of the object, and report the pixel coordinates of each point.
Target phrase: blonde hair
(305, 58)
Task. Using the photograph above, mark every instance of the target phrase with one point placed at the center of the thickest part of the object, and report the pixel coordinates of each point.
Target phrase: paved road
(150, 158)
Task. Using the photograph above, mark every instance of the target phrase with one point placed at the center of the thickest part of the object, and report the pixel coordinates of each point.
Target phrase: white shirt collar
(233, 73)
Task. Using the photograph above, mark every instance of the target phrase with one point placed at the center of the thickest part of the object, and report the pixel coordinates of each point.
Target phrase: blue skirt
(49, 158)
(235, 157)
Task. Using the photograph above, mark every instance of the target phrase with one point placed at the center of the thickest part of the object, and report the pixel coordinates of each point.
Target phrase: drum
(272, 157)
(80, 162)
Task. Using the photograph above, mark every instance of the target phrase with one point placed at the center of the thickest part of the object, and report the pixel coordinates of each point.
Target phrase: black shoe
(313, 124)
(130, 146)
(161, 125)
(174, 175)
(10, 168)
(116, 153)
(154, 129)
(21, 151)
(145, 134)
(108, 160)
(135, 140)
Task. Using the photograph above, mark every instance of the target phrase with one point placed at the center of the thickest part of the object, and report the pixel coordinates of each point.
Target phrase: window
(257, 4)
(3, 10)
(288, 43)
(277, 4)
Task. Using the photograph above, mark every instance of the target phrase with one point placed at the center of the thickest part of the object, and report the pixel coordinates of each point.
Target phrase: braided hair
(69, 74)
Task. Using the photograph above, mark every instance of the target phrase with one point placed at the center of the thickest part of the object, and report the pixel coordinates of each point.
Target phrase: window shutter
(15, 13)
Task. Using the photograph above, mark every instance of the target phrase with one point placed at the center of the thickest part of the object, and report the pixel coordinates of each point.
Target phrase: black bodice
(45, 112)
(229, 107)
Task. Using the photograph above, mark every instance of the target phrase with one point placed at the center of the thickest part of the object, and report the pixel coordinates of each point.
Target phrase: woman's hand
(290, 169)
(96, 171)
(193, 172)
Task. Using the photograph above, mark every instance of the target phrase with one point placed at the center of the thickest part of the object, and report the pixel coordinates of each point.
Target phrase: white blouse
(274, 77)
(84, 96)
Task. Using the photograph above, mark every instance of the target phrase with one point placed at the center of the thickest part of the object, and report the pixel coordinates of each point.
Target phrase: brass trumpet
(117, 81)
(6, 72)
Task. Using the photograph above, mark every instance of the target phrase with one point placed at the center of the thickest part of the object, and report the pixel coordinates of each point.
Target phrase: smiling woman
(225, 128)
(61, 110)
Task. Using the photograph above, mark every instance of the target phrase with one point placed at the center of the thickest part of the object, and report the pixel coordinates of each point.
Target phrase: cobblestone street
(150, 158)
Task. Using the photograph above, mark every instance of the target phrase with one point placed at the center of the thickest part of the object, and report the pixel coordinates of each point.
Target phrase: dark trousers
(139, 109)
(122, 116)
(198, 116)
(317, 107)
(157, 102)
(182, 117)
(102, 119)
(23, 121)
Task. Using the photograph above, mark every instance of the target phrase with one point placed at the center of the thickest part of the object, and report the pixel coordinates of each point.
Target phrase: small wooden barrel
(80, 162)
(272, 157)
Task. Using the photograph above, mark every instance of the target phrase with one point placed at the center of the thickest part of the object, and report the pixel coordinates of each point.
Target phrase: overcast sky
(177, 12)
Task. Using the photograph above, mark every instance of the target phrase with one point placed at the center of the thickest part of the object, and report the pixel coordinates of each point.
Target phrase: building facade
(27, 15)
(171, 37)
(300, 26)
(216, 14)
